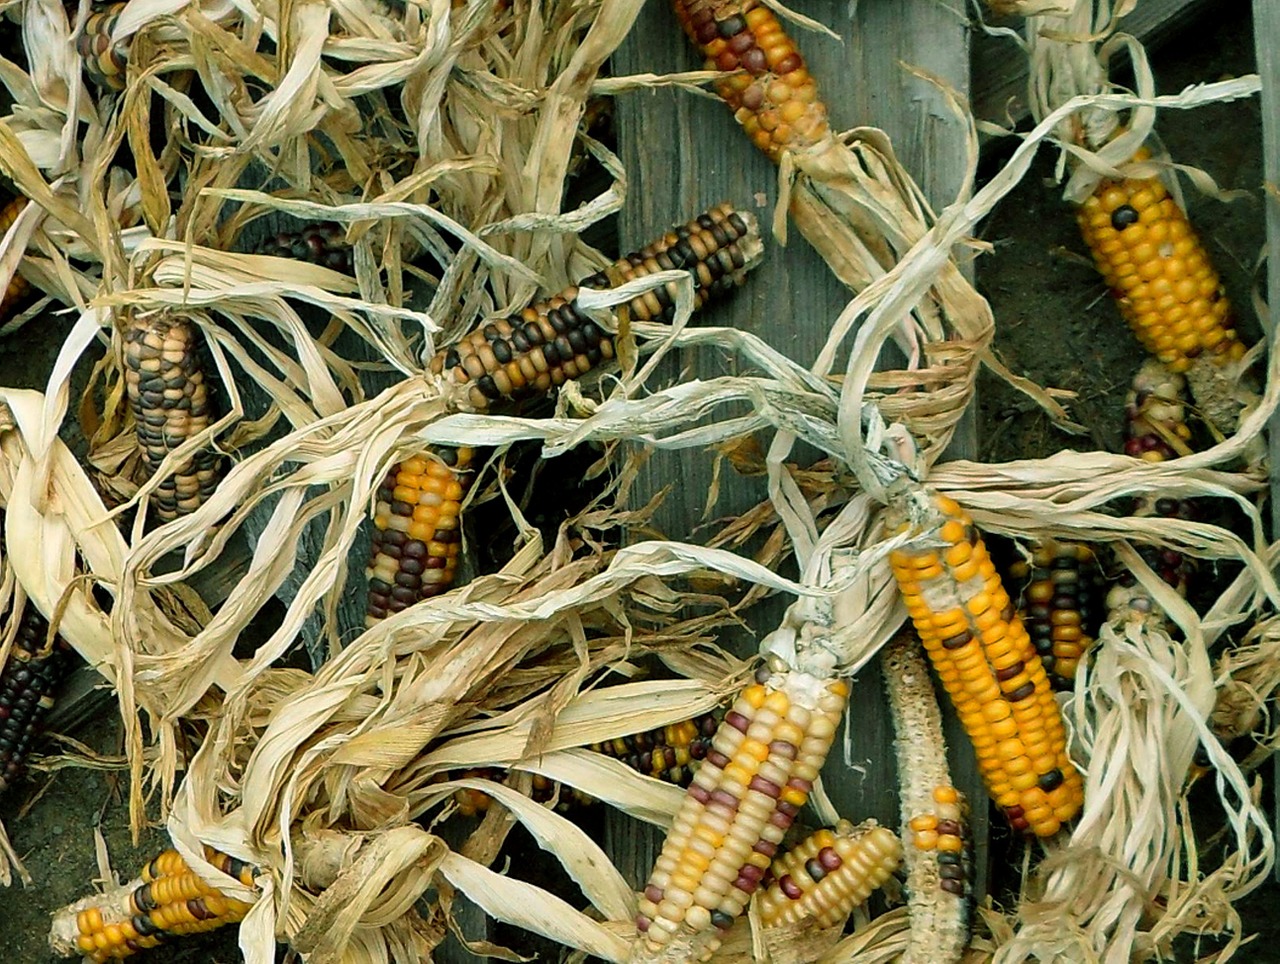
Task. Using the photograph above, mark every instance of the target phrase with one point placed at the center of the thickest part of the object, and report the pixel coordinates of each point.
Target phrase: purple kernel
(829, 859)
(790, 809)
(789, 887)
(699, 794)
(642, 923)
(725, 798)
(745, 885)
(783, 749)
(654, 893)
(781, 820)
(737, 721)
(799, 783)
(751, 872)
(717, 759)
(765, 847)
(767, 787)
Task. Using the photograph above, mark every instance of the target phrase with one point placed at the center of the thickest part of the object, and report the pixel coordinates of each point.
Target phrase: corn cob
(770, 90)
(1057, 605)
(323, 243)
(26, 691)
(18, 286)
(104, 62)
(543, 790)
(757, 775)
(417, 531)
(829, 874)
(167, 900)
(1166, 287)
(170, 397)
(987, 663)
(935, 824)
(540, 348)
(669, 753)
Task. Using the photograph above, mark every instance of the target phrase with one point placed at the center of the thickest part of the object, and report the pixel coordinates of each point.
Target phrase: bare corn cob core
(668, 753)
(323, 243)
(1057, 605)
(757, 775)
(18, 286)
(417, 531)
(935, 826)
(170, 397)
(27, 685)
(829, 874)
(539, 349)
(1159, 272)
(167, 900)
(986, 661)
(105, 62)
(771, 92)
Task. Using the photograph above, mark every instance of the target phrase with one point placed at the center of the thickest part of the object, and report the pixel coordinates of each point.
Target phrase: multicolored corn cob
(27, 685)
(757, 775)
(986, 661)
(167, 900)
(934, 814)
(771, 92)
(417, 531)
(323, 243)
(669, 753)
(169, 394)
(1057, 605)
(18, 286)
(540, 348)
(829, 874)
(104, 62)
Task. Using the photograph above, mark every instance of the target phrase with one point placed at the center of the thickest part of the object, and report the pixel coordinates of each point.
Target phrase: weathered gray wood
(1266, 30)
(1000, 77)
(685, 153)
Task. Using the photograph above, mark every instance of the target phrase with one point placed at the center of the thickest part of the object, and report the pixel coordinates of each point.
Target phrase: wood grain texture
(1266, 33)
(684, 152)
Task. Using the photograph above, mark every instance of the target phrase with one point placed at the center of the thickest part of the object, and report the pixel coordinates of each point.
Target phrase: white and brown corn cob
(105, 62)
(417, 531)
(168, 900)
(746, 794)
(530, 353)
(829, 874)
(1058, 605)
(769, 88)
(31, 676)
(986, 661)
(935, 826)
(169, 393)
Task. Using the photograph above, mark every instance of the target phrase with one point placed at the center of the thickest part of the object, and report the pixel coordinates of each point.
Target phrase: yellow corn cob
(757, 775)
(934, 814)
(829, 874)
(771, 92)
(1159, 272)
(167, 900)
(105, 62)
(1057, 606)
(417, 531)
(986, 661)
(18, 286)
(545, 345)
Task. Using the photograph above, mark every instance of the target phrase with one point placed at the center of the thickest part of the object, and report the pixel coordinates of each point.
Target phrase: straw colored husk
(430, 132)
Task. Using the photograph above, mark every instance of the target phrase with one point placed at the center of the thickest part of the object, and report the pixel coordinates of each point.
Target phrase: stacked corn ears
(744, 798)
(986, 660)
(167, 901)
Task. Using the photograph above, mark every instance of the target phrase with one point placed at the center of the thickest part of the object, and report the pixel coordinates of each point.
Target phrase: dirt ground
(1056, 326)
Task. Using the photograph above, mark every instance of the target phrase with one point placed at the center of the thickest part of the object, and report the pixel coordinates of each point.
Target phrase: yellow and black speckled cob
(27, 684)
(168, 900)
(1059, 604)
(417, 531)
(169, 393)
(105, 62)
(540, 348)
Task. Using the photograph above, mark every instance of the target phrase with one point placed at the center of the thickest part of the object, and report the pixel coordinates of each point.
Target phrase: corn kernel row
(1057, 605)
(829, 874)
(169, 393)
(417, 530)
(538, 349)
(323, 243)
(988, 665)
(18, 286)
(167, 900)
(104, 62)
(757, 775)
(27, 686)
(770, 90)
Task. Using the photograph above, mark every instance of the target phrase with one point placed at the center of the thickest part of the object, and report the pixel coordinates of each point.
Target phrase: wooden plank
(1266, 28)
(685, 153)
(1000, 72)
